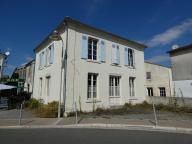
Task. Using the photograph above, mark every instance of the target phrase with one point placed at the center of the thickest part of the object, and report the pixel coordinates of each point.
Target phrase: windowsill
(133, 98)
(117, 65)
(131, 67)
(41, 68)
(93, 101)
(114, 96)
(93, 61)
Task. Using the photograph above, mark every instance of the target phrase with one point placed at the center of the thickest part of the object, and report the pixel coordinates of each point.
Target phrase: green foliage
(32, 103)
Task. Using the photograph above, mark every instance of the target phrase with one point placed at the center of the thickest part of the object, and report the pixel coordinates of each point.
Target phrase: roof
(186, 47)
(157, 64)
(71, 22)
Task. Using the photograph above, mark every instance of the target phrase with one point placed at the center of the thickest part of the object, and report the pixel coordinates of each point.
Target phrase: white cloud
(159, 58)
(170, 34)
(28, 58)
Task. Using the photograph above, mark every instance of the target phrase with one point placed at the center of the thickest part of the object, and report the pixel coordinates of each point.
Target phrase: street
(89, 136)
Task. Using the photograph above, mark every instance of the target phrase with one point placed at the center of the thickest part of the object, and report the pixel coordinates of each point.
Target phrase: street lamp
(55, 36)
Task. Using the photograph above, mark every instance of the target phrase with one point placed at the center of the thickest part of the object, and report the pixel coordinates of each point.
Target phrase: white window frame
(162, 91)
(40, 86)
(131, 58)
(92, 49)
(132, 86)
(114, 86)
(92, 91)
(48, 85)
(150, 91)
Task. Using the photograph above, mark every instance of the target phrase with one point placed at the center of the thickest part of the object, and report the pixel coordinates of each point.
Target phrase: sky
(159, 24)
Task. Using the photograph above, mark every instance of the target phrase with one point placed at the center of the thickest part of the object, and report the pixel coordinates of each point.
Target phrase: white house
(88, 67)
(2, 60)
(181, 59)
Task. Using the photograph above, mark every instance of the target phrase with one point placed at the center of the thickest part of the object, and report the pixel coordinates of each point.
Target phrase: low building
(158, 80)
(2, 62)
(25, 73)
(181, 59)
(30, 69)
(88, 67)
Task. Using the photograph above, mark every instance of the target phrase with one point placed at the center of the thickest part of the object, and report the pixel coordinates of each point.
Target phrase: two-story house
(88, 67)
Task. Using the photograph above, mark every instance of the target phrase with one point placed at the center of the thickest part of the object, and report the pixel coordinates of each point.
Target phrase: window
(130, 57)
(92, 49)
(40, 60)
(148, 75)
(48, 78)
(92, 86)
(132, 86)
(115, 54)
(51, 53)
(162, 91)
(114, 86)
(40, 86)
(150, 91)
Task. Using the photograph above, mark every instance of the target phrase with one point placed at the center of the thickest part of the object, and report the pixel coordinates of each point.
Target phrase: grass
(49, 110)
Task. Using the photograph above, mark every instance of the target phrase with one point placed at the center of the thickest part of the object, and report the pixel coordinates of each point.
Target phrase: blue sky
(158, 24)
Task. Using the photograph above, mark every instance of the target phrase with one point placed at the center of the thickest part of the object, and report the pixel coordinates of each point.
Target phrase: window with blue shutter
(84, 48)
(126, 56)
(102, 51)
(115, 54)
(51, 48)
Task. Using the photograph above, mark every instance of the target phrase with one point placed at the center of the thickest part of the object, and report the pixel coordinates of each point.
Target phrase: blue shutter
(118, 55)
(114, 55)
(84, 48)
(126, 56)
(102, 51)
(52, 54)
(134, 64)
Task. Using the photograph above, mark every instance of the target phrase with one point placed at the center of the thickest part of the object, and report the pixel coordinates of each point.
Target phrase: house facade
(158, 80)
(2, 59)
(89, 68)
(181, 59)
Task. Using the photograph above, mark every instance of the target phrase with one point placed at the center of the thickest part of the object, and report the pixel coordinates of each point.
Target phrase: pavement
(10, 119)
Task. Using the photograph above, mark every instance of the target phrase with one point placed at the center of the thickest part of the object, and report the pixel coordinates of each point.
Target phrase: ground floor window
(162, 91)
(92, 86)
(114, 86)
(132, 86)
(48, 79)
(40, 86)
(150, 91)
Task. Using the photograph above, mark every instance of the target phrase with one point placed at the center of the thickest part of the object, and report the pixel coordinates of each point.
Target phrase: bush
(32, 103)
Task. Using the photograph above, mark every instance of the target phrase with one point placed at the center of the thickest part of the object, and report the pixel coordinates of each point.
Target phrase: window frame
(131, 58)
(132, 86)
(114, 86)
(92, 89)
(150, 91)
(162, 91)
(92, 49)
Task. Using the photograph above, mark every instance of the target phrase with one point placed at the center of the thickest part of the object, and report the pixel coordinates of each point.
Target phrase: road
(89, 136)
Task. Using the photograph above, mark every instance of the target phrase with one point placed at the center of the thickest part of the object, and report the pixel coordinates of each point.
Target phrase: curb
(107, 126)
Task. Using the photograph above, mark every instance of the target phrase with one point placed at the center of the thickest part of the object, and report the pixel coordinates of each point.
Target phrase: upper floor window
(148, 75)
(115, 54)
(92, 48)
(129, 57)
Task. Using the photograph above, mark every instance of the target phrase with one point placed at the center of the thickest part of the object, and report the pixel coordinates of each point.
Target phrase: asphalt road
(89, 136)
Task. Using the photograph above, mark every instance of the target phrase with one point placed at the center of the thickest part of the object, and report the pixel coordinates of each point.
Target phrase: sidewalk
(100, 122)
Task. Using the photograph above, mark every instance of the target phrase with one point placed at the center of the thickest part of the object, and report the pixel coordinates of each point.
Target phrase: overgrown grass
(135, 109)
(49, 110)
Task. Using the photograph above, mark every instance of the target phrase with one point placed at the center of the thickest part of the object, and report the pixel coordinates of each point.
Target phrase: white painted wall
(183, 88)
(78, 69)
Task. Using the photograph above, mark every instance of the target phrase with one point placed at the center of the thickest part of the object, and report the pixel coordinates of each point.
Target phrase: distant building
(2, 60)
(181, 59)
(158, 80)
(25, 72)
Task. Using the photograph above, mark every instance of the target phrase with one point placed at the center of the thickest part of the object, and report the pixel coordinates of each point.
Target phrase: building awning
(5, 87)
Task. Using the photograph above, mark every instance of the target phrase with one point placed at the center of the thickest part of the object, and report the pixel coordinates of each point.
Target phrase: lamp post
(56, 37)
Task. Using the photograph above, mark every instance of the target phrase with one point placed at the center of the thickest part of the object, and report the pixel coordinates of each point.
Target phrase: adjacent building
(2, 60)
(25, 75)
(81, 65)
(158, 80)
(181, 59)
